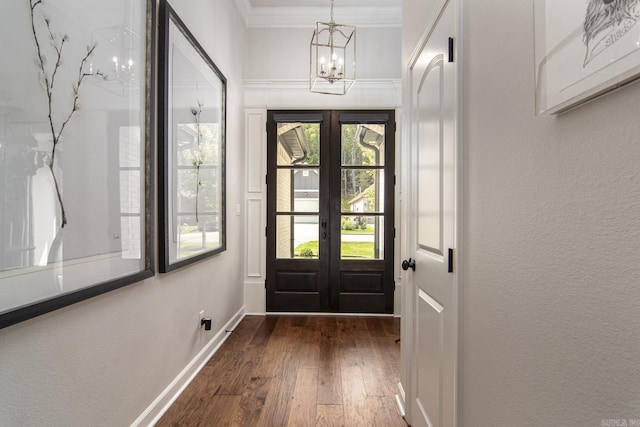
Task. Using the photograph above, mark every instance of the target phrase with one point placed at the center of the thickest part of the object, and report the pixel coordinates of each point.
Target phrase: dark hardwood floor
(298, 371)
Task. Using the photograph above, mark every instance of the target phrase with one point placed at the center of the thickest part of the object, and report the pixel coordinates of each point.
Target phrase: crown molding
(365, 93)
(304, 83)
(244, 7)
(308, 16)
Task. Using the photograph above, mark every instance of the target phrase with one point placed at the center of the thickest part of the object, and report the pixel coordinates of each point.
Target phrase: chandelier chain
(331, 11)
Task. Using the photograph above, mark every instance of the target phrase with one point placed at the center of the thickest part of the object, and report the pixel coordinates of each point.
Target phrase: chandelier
(120, 57)
(332, 58)
(125, 45)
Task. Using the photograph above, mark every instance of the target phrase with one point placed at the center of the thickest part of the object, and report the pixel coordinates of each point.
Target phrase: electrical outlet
(200, 318)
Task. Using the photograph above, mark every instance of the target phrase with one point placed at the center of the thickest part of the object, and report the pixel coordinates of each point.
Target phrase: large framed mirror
(76, 125)
(192, 99)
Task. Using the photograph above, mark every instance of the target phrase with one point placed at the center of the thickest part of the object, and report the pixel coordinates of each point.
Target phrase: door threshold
(322, 313)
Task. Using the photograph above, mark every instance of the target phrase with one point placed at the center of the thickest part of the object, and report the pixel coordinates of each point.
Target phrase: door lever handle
(409, 264)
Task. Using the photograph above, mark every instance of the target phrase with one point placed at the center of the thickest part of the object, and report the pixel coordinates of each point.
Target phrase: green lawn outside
(349, 250)
(369, 230)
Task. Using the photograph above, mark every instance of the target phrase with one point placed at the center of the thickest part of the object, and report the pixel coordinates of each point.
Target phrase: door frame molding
(405, 386)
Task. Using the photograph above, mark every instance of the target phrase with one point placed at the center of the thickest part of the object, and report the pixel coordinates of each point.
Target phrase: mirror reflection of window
(18, 164)
(131, 183)
(197, 216)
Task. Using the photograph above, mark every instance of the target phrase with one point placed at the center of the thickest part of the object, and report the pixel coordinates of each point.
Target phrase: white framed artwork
(584, 49)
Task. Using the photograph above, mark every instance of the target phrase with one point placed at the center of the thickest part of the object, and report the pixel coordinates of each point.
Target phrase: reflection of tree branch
(58, 51)
(48, 81)
(197, 161)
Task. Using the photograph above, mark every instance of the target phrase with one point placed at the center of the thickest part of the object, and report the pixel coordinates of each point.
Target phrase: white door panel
(433, 171)
(429, 133)
(429, 335)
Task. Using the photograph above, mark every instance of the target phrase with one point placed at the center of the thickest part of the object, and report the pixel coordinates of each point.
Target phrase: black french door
(330, 199)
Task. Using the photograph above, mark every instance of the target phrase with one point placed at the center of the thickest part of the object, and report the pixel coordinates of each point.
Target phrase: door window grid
(297, 190)
(362, 153)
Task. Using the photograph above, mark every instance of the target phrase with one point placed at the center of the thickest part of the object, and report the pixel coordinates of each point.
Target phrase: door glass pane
(297, 236)
(361, 237)
(362, 145)
(298, 144)
(298, 190)
(362, 190)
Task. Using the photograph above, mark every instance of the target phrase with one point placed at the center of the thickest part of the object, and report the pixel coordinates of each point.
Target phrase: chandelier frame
(332, 58)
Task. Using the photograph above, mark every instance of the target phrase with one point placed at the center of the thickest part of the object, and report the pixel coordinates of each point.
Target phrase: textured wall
(551, 320)
(104, 360)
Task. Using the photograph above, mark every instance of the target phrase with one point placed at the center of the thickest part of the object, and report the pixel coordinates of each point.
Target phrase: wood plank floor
(298, 371)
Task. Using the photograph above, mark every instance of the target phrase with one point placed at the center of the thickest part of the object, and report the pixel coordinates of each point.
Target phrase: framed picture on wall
(584, 49)
(191, 137)
(76, 181)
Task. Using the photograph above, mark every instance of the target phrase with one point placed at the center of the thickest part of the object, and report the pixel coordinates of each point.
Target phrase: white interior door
(434, 296)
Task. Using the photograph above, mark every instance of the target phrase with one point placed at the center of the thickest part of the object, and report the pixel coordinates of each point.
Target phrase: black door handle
(409, 264)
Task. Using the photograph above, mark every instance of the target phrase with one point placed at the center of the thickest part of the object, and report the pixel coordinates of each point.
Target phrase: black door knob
(409, 264)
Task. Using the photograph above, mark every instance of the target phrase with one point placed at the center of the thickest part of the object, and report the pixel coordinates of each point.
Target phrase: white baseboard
(161, 404)
(400, 399)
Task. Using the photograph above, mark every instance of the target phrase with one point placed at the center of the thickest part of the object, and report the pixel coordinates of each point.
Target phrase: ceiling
(324, 3)
(305, 13)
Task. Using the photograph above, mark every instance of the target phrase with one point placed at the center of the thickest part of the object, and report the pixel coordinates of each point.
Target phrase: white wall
(551, 326)
(415, 15)
(283, 53)
(278, 69)
(103, 361)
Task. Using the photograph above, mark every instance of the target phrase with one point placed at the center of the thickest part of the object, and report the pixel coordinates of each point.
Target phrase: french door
(330, 187)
